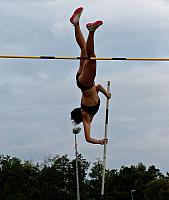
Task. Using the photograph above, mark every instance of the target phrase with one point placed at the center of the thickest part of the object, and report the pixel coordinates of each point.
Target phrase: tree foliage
(55, 178)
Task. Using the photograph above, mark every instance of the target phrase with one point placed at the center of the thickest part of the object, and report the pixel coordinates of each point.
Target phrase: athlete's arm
(101, 89)
(87, 128)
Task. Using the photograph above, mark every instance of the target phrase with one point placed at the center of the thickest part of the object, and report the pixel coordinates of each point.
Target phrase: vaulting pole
(105, 145)
(84, 58)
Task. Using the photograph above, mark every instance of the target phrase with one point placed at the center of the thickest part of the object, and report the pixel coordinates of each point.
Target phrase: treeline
(55, 179)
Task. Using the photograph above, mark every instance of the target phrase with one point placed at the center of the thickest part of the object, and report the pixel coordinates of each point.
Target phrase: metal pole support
(76, 131)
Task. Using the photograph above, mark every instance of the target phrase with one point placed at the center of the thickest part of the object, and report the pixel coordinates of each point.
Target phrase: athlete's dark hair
(76, 116)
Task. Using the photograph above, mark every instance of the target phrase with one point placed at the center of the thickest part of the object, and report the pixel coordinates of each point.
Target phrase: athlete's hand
(108, 95)
(103, 141)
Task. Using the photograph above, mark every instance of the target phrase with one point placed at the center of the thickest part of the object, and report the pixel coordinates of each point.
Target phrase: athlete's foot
(76, 16)
(93, 26)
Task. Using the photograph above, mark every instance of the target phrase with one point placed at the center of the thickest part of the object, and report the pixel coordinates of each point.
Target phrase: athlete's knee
(92, 54)
(92, 61)
(83, 52)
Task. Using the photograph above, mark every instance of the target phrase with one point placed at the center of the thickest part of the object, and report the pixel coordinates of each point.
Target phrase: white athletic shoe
(76, 16)
(93, 26)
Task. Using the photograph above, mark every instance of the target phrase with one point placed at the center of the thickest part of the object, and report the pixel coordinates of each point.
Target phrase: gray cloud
(36, 96)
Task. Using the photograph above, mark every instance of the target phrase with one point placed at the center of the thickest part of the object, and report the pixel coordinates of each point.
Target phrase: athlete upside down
(85, 76)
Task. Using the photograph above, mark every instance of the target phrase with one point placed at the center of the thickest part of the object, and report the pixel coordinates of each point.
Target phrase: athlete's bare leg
(82, 44)
(89, 69)
(79, 36)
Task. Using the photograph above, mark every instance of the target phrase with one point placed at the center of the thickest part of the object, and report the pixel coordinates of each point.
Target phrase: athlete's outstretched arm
(102, 90)
(87, 128)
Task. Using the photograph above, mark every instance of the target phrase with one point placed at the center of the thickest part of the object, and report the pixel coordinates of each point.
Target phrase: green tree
(95, 176)
(56, 179)
(157, 190)
(16, 178)
(83, 166)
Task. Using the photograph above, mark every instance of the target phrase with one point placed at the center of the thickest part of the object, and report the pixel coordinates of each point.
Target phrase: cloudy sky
(36, 96)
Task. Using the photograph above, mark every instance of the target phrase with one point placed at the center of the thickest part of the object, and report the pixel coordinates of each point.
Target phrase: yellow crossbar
(78, 58)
